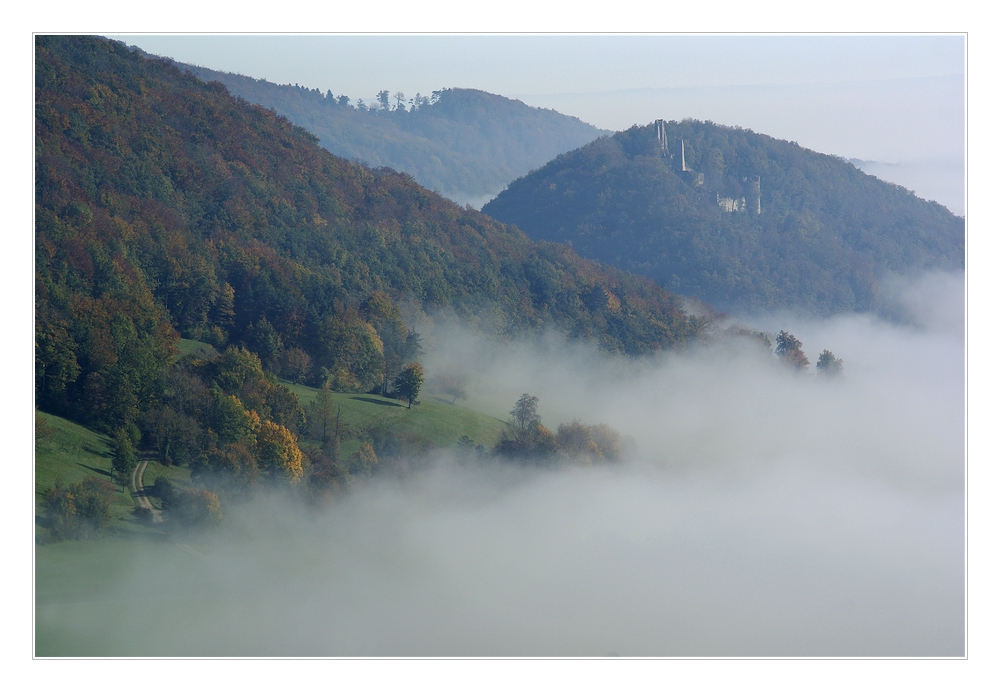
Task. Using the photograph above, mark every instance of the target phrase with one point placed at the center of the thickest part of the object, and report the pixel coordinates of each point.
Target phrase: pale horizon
(897, 102)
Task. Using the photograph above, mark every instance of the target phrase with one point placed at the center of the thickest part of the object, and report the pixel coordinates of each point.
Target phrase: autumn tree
(230, 419)
(789, 349)
(238, 372)
(60, 510)
(278, 452)
(575, 440)
(384, 316)
(829, 365)
(231, 469)
(351, 356)
(589, 443)
(197, 508)
(408, 382)
(78, 509)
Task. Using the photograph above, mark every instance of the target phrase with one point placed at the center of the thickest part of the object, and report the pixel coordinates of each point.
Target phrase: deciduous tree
(278, 452)
(789, 349)
(451, 384)
(525, 412)
(575, 440)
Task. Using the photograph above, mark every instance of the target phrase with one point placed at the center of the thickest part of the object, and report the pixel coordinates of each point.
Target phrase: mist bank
(759, 512)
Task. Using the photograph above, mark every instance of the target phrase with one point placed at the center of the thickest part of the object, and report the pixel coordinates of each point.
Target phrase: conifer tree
(408, 382)
(829, 365)
(123, 457)
(789, 349)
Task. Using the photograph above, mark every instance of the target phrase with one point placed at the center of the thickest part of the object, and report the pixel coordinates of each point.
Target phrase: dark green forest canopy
(166, 207)
(464, 143)
(827, 233)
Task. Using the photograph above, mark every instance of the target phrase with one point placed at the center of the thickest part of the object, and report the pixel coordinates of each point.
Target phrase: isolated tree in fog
(829, 365)
(525, 412)
(452, 384)
(526, 438)
(408, 382)
(789, 349)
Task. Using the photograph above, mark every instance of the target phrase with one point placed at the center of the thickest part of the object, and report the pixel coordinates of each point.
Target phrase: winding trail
(139, 491)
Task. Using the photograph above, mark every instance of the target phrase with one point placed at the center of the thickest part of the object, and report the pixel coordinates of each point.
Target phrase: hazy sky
(538, 65)
(896, 100)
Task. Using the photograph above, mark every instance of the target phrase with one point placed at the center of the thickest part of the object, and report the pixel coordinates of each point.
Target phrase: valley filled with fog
(756, 511)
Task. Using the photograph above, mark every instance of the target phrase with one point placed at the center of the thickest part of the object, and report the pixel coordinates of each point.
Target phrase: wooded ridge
(739, 219)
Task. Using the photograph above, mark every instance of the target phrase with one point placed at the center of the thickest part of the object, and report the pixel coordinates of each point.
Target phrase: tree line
(464, 143)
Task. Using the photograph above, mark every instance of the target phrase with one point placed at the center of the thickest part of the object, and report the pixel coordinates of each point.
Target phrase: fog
(758, 512)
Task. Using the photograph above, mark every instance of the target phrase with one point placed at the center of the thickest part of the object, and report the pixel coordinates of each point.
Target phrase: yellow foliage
(279, 452)
(614, 305)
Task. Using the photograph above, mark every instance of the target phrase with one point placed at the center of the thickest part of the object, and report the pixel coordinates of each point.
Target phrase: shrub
(78, 510)
(197, 508)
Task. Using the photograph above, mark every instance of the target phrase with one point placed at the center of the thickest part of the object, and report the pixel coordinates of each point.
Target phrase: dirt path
(139, 491)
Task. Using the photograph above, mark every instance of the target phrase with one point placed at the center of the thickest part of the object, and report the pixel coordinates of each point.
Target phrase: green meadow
(431, 418)
(70, 452)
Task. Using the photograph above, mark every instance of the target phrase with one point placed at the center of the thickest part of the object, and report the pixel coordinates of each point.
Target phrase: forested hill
(463, 143)
(826, 232)
(166, 206)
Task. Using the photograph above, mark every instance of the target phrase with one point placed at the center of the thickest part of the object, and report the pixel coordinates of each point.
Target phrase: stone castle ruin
(728, 204)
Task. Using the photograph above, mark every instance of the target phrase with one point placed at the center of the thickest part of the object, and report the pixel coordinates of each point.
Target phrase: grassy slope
(71, 452)
(199, 348)
(434, 419)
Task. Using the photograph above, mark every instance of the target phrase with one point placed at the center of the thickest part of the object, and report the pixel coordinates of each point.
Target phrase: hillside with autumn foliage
(167, 208)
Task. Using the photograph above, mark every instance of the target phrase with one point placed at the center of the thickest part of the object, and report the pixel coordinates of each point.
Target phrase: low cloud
(759, 513)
